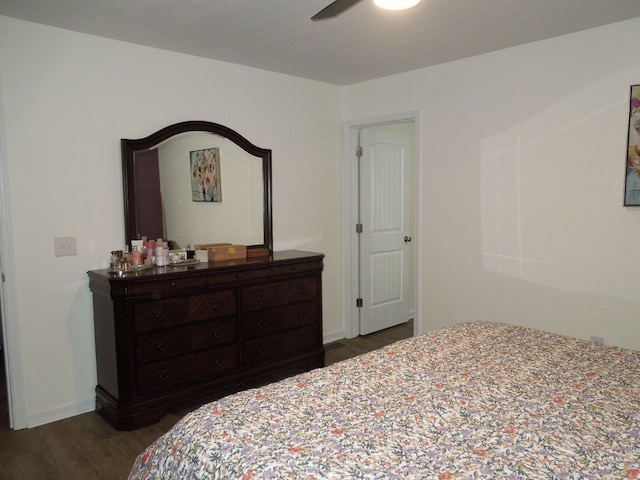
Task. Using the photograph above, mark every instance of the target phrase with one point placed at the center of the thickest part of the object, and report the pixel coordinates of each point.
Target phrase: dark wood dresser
(175, 334)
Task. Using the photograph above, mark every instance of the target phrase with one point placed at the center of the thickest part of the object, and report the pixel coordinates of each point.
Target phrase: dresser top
(284, 256)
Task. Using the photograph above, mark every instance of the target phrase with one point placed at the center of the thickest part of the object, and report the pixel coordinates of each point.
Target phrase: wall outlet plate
(65, 246)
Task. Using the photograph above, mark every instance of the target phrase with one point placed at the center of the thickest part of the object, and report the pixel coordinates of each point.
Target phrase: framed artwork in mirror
(632, 179)
(206, 182)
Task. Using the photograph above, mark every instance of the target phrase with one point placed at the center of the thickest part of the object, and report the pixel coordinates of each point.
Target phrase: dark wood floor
(85, 447)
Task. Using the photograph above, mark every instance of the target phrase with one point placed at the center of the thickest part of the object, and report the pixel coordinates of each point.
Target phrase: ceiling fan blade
(334, 9)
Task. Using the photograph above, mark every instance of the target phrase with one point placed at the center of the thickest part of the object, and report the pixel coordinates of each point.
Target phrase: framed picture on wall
(632, 179)
(206, 183)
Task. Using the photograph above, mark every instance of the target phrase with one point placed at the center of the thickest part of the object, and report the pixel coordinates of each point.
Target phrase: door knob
(407, 239)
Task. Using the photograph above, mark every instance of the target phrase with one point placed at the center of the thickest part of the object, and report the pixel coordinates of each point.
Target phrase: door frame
(8, 302)
(350, 215)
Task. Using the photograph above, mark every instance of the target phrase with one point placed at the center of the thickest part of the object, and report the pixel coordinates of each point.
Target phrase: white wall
(67, 99)
(522, 169)
(521, 173)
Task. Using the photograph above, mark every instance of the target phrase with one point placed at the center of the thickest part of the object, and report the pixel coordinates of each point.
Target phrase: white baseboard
(61, 413)
(333, 337)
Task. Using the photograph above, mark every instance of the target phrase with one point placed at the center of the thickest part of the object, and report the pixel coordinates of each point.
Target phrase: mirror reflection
(189, 185)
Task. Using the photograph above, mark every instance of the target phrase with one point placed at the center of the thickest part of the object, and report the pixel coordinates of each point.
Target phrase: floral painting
(205, 175)
(632, 181)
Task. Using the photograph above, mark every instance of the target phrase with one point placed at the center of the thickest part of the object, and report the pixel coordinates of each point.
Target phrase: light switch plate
(65, 246)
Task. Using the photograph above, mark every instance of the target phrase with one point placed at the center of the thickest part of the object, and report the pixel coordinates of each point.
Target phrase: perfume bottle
(151, 253)
(115, 259)
(136, 257)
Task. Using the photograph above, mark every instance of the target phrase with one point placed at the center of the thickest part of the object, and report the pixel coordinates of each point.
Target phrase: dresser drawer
(163, 345)
(156, 314)
(279, 293)
(161, 287)
(290, 269)
(267, 322)
(175, 311)
(282, 344)
(212, 305)
(234, 277)
(165, 375)
(191, 338)
(214, 333)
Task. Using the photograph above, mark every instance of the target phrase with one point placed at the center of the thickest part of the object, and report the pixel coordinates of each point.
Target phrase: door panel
(385, 176)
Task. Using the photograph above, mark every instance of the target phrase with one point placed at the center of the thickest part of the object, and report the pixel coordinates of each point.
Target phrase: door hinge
(359, 302)
(359, 228)
(358, 151)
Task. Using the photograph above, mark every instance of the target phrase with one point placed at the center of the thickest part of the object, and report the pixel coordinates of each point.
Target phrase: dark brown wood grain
(166, 336)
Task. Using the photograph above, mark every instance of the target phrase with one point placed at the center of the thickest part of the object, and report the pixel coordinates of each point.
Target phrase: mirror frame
(130, 146)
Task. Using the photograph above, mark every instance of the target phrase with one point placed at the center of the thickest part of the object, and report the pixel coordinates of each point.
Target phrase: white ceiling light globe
(396, 4)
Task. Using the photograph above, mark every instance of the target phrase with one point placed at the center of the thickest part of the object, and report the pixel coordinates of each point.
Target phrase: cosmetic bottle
(160, 255)
(151, 253)
(143, 251)
(115, 260)
(126, 258)
(136, 257)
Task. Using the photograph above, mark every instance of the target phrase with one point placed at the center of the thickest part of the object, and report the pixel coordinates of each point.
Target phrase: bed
(474, 400)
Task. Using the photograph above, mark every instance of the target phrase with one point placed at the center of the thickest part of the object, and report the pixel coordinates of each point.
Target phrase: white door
(386, 216)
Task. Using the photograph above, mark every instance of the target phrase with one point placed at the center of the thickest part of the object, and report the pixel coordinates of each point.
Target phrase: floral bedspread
(475, 400)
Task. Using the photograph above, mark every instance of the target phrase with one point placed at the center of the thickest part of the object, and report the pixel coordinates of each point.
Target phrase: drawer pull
(162, 345)
(239, 275)
(173, 285)
(302, 290)
(218, 333)
(261, 323)
(304, 339)
(260, 298)
(164, 375)
(262, 349)
(161, 316)
(217, 305)
(219, 362)
(302, 314)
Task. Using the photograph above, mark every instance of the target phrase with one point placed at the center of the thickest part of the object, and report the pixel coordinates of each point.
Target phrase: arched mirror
(196, 183)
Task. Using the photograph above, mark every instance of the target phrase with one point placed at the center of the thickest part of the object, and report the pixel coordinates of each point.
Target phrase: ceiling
(363, 43)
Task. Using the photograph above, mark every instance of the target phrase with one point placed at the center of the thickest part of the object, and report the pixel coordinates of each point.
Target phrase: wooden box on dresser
(169, 335)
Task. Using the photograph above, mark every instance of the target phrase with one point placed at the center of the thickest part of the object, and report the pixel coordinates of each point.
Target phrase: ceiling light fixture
(396, 4)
